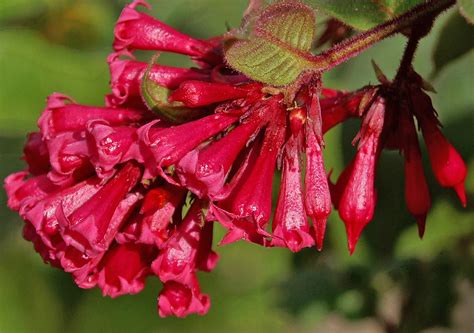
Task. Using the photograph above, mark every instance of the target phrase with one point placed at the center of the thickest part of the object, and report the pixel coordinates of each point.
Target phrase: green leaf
(364, 14)
(156, 99)
(466, 7)
(277, 49)
(449, 48)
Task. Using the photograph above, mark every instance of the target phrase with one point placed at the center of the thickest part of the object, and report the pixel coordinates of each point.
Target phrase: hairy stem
(352, 47)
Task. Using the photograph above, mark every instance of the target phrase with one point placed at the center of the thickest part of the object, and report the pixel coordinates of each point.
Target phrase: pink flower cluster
(118, 193)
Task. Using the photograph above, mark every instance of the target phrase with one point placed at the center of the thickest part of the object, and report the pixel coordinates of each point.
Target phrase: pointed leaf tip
(379, 74)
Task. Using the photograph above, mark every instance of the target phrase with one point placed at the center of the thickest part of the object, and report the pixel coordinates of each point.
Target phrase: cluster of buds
(388, 114)
(118, 193)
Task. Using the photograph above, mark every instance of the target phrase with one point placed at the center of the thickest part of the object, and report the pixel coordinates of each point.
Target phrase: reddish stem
(352, 47)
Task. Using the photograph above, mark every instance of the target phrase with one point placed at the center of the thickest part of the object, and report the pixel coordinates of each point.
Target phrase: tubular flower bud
(417, 195)
(357, 204)
(317, 195)
(446, 163)
(290, 224)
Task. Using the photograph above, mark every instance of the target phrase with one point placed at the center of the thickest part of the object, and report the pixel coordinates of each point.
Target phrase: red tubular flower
(243, 201)
(180, 300)
(447, 164)
(153, 224)
(166, 146)
(290, 224)
(115, 278)
(90, 228)
(357, 204)
(340, 107)
(198, 93)
(109, 146)
(105, 191)
(59, 117)
(204, 170)
(317, 195)
(178, 259)
(136, 30)
(126, 77)
(417, 194)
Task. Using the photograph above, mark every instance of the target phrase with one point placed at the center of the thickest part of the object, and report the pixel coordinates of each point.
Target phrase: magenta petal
(290, 225)
(238, 228)
(42, 213)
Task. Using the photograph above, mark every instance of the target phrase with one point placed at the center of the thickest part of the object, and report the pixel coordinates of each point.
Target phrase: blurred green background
(393, 283)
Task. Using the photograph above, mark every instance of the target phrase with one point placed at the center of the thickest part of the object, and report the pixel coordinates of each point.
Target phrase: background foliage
(393, 278)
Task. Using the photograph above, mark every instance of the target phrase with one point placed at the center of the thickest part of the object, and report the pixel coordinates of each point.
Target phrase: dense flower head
(118, 193)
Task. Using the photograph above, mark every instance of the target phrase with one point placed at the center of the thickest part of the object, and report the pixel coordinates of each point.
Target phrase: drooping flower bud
(446, 162)
(357, 204)
(417, 195)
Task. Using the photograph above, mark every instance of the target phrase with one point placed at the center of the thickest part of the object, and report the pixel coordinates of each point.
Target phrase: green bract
(156, 96)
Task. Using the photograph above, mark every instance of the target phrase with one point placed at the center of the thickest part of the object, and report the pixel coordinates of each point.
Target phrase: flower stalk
(352, 47)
